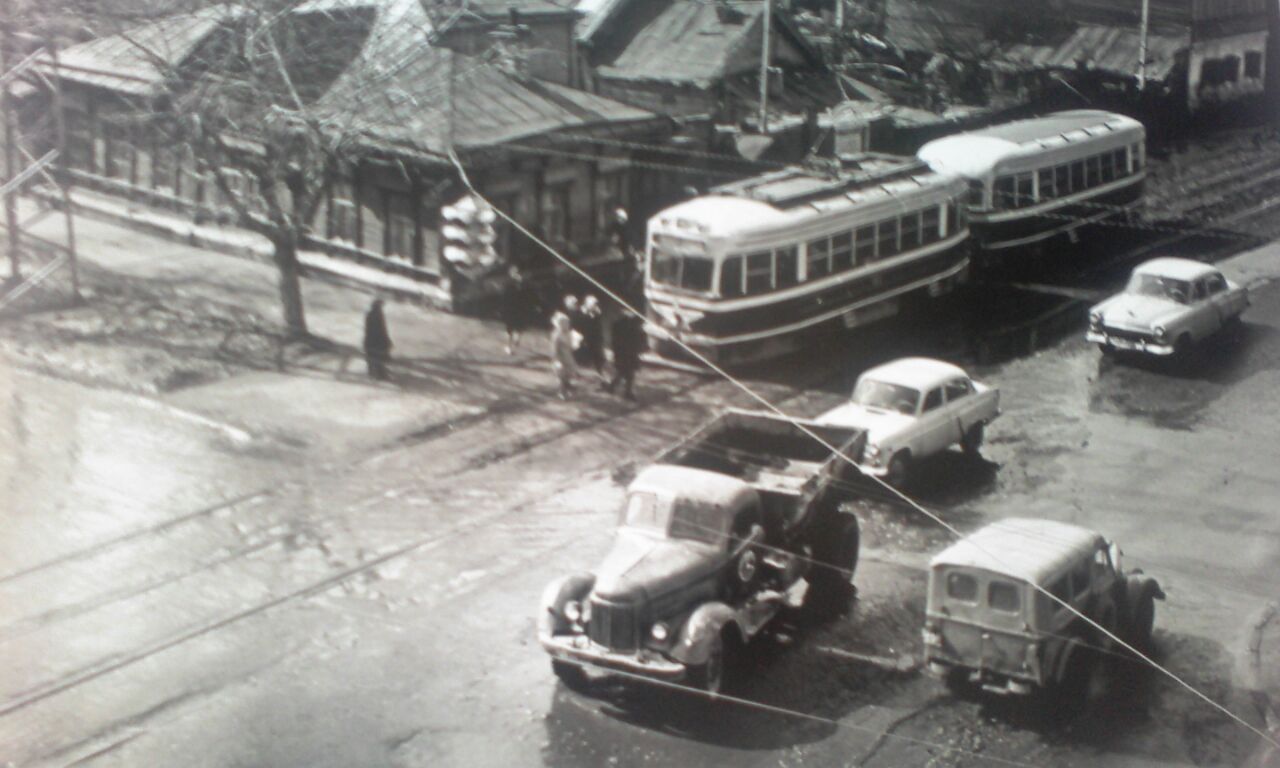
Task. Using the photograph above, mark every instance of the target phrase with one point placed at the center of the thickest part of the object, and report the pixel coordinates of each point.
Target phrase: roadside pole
(764, 67)
(64, 183)
(10, 147)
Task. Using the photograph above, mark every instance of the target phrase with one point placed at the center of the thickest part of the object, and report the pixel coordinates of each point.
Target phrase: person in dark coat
(377, 342)
(593, 335)
(628, 344)
(519, 308)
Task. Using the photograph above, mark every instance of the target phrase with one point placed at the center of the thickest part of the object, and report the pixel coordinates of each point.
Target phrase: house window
(1253, 65)
(119, 160)
(507, 204)
(841, 251)
(164, 168)
(818, 260)
(80, 141)
(399, 234)
(609, 197)
(759, 272)
(342, 212)
(555, 213)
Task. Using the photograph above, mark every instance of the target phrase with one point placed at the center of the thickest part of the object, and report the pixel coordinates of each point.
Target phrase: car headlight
(659, 632)
(1159, 332)
(1095, 319)
(573, 610)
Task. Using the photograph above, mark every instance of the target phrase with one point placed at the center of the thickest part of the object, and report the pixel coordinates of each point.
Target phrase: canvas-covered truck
(723, 530)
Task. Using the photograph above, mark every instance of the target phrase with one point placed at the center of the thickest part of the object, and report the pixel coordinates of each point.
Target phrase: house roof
(682, 40)
(402, 92)
(1028, 549)
(923, 26)
(136, 62)
(1109, 49)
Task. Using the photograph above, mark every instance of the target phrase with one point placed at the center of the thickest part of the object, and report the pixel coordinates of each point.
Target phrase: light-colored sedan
(1168, 306)
(912, 408)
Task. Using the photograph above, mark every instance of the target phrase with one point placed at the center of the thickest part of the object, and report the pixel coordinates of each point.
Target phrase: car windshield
(888, 397)
(1160, 287)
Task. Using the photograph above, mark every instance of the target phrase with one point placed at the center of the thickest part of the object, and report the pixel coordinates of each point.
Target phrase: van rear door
(981, 617)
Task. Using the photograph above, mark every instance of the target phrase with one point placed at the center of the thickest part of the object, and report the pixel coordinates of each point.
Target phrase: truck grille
(613, 625)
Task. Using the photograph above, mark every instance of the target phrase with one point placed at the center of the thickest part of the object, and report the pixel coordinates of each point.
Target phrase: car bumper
(1149, 346)
(580, 648)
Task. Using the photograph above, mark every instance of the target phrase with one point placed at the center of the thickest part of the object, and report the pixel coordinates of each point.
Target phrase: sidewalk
(1260, 674)
(200, 331)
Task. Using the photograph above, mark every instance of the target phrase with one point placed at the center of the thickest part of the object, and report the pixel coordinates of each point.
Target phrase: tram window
(866, 248)
(1107, 163)
(818, 261)
(977, 193)
(1047, 190)
(697, 274)
(887, 237)
(1005, 193)
(731, 276)
(1077, 176)
(759, 272)
(1026, 190)
(910, 236)
(787, 266)
(1062, 180)
(1135, 151)
(841, 251)
(1093, 171)
(1121, 161)
(929, 220)
(953, 218)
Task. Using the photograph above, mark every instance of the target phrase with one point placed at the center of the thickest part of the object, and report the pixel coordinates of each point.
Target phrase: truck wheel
(1182, 347)
(744, 571)
(572, 675)
(835, 561)
(899, 468)
(710, 676)
(1141, 609)
(971, 443)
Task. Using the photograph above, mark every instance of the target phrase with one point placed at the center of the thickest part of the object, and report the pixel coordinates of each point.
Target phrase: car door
(1223, 299)
(935, 424)
(961, 404)
(1204, 314)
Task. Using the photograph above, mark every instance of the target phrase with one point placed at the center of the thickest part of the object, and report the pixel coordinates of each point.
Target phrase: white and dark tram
(751, 269)
(1033, 179)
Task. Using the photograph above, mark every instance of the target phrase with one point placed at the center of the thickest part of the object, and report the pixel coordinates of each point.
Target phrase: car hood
(880, 425)
(1132, 311)
(641, 564)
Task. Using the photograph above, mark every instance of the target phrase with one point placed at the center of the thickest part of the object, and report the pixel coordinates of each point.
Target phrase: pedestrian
(628, 343)
(562, 349)
(592, 331)
(578, 322)
(518, 308)
(377, 342)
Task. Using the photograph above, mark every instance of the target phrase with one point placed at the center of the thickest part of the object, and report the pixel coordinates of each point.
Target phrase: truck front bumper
(1150, 346)
(580, 648)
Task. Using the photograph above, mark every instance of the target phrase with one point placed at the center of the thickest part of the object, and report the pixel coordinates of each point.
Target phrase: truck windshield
(888, 397)
(644, 511)
(700, 522)
(1160, 287)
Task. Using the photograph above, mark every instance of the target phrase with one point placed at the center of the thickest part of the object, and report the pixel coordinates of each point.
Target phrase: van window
(962, 586)
(1003, 596)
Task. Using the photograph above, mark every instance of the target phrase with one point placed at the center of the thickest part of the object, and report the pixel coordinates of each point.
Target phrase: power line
(826, 444)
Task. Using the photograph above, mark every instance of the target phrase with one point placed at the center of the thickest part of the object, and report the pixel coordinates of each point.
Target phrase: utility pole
(64, 183)
(1142, 45)
(764, 67)
(10, 144)
(839, 32)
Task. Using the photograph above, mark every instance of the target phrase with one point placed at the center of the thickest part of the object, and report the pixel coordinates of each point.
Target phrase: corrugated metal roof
(916, 25)
(683, 41)
(398, 92)
(1109, 49)
(136, 62)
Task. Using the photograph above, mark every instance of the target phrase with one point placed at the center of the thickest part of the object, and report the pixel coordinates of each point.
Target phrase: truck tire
(744, 572)
(899, 469)
(971, 442)
(1140, 614)
(835, 556)
(572, 675)
(712, 675)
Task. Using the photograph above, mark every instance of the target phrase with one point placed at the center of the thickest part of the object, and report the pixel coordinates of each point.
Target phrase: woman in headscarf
(562, 347)
(592, 330)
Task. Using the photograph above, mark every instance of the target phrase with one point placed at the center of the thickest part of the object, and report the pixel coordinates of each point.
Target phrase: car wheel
(899, 469)
(971, 443)
(572, 675)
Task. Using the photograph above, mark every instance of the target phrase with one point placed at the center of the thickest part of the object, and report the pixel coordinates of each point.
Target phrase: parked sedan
(912, 408)
(1168, 306)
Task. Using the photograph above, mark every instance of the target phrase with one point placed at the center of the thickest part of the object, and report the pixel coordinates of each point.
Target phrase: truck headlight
(1095, 319)
(1159, 332)
(659, 632)
(872, 455)
(573, 610)
(932, 637)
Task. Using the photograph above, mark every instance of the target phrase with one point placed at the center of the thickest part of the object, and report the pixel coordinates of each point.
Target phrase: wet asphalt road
(173, 595)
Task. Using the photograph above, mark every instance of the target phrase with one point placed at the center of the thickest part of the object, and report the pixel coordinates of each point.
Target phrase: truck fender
(575, 586)
(1062, 663)
(706, 622)
(1144, 583)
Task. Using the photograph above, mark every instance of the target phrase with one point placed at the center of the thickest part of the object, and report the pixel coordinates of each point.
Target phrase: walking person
(562, 349)
(377, 342)
(592, 330)
(628, 344)
(518, 308)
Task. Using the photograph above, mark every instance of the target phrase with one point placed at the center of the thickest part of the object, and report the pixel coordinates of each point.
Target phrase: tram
(751, 269)
(1031, 180)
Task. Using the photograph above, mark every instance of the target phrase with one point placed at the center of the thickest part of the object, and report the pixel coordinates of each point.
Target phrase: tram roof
(796, 193)
(974, 153)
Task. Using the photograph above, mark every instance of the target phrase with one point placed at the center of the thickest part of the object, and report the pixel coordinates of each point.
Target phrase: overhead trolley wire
(826, 444)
